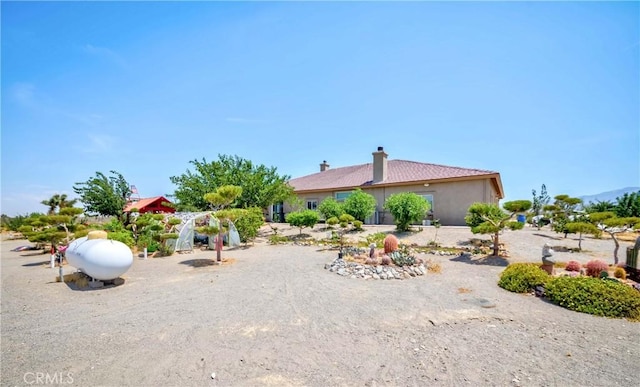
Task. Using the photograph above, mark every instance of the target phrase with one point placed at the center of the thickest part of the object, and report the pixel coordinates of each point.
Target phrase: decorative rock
(376, 276)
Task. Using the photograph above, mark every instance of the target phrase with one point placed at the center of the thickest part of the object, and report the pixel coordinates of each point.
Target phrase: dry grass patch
(464, 290)
(434, 267)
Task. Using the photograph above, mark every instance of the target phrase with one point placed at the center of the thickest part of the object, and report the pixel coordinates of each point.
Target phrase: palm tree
(64, 203)
(58, 201)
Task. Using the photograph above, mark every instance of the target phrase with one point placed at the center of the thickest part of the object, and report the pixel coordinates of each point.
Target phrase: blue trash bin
(521, 218)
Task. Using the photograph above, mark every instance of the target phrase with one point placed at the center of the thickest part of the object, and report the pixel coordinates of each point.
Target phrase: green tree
(104, 195)
(360, 205)
(613, 225)
(564, 210)
(628, 205)
(58, 201)
(247, 221)
(600, 206)
(261, 185)
(406, 208)
(580, 228)
(330, 208)
(223, 197)
(53, 229)
(539, 201)
(302, 219)
(517, 206)
(485, 218)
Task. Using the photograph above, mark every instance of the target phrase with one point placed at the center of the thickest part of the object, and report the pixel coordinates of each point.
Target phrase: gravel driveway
(274, 316)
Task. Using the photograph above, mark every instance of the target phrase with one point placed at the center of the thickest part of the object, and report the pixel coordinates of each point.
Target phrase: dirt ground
(274, 316)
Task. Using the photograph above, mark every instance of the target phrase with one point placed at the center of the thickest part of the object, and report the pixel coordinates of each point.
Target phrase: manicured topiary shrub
(522, 277)
(390, 243)
(357, 225)
(620, 273)
(595, 267)
(573, 266)
(608, 298)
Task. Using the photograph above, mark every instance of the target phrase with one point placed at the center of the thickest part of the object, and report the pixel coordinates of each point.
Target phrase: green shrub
(278, 239)
(123, 236)
(346, 218)
(248, 222)
(302, 219)
(377, 238)
(596, 296)
(360, 205)
(333, 221)
(522, 277)
(357, 225)
(406, 208)
(330, 208)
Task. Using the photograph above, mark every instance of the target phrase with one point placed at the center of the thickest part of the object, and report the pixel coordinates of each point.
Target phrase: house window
(312, 204)
(429, 198)
(341, 196)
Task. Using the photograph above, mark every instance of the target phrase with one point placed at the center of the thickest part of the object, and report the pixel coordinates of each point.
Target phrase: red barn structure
(158, 204)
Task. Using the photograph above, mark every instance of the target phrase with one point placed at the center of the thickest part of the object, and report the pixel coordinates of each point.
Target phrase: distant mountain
(608, 196)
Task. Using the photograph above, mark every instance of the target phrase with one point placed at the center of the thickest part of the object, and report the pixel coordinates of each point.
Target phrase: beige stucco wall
(450, 200)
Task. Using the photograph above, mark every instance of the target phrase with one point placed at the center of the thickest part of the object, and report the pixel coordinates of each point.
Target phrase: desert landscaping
(272, 315)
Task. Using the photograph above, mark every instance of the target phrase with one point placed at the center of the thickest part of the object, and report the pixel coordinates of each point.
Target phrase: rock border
(357, 270)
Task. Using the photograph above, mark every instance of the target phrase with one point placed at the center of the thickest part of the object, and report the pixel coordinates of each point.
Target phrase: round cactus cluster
(385, 260)
(595, 267)
(620, 273)
(573, 266)
(390, 244)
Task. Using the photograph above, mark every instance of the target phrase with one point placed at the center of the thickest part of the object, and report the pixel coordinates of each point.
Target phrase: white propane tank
(102, 259)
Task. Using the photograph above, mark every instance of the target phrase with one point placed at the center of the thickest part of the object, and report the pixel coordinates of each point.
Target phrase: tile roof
(142, 203)
(398, 172)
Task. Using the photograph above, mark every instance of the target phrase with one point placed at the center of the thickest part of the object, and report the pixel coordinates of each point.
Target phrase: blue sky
(541, 92)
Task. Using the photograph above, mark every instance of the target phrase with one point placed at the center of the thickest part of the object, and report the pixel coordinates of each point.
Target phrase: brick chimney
(379, 165)
(324, 166)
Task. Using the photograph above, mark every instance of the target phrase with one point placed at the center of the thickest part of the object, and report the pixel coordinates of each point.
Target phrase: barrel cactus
(390, 244)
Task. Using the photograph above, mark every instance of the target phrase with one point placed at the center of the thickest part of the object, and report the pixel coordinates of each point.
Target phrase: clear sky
(542, 92)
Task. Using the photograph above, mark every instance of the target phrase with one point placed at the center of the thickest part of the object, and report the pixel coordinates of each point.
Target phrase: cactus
(390, 244)
(573, 266)
(385, 260)
(402, 258)
(620, 273)
(595, 267)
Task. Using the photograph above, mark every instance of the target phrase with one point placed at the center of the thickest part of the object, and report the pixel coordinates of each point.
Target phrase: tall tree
(485, 218)
(565, 210)
(539, 201)
(104, 195)
(58, 201)
(628, 205)
(222, 198)
(261, 185)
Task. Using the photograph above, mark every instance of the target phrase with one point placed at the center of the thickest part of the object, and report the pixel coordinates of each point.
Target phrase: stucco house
(450, 190)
